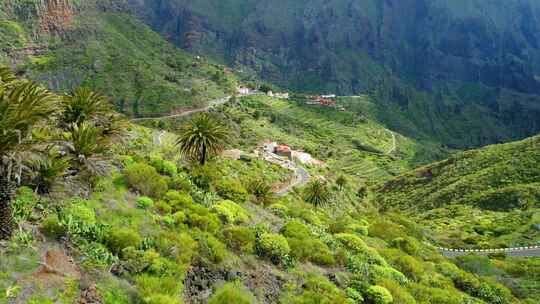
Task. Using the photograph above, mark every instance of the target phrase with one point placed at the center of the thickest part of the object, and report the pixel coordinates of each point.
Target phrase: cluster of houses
(271, 148)
(243, 91)
(278, 95)
(326, 101)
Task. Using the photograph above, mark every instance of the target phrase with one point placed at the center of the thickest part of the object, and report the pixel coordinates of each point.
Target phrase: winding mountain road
(211, 104)
(533, 251)
(394, 144)
(301, 177)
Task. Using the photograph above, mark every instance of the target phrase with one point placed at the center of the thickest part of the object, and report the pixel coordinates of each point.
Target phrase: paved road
(514, 252)
(394, 147)
(211, 104)
(301, 177)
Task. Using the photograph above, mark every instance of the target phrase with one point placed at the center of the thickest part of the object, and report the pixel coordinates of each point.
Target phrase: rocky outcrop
(263, 282)
(55, 17)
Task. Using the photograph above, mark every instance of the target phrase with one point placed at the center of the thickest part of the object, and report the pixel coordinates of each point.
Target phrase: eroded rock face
(263, 282)
(55, 17)
(495, 43)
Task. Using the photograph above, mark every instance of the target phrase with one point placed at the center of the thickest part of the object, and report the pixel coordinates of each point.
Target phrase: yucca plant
(202, 137)
(84, 105)
(262, 191)
(341, 182)
(23, 105)
(317, 193)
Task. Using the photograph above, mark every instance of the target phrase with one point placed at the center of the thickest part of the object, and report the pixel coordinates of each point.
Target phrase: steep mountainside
(472, 57)
(66, 43)
(498, 185)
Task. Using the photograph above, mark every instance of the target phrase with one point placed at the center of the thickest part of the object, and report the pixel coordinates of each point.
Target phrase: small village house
(285, 151)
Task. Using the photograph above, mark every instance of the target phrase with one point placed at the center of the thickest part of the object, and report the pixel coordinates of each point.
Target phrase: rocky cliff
(495, 43)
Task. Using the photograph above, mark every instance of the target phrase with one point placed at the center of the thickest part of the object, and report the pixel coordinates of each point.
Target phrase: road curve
(211, 104)
(301, 177)
(533, 251)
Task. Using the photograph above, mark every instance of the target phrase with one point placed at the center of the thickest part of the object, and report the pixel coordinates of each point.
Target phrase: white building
(269, 146)
(243, 90)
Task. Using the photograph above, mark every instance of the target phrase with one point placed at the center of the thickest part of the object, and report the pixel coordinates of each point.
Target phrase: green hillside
(64, 44)
(110, 212)
(486, 197)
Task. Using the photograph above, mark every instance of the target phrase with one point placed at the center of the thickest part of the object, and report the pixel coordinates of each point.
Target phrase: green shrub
(179, 217)
(295, 229)
(231, 190)
(168, 242)
(240, 238)
(145, 202)
(310, 249)
(52, 228)
(121, 238)
(23, 204)
(232, 293)
(230, 212)
(211, 250)
(178, 199)
(386, 230)
(352, 242)
(304, 246)
(358, 229)
(80, 213)
(159, 289)
(399, 293)
(180, 182)
(163, 207)
(410, 266)
(379, 295)
(168, 220)
(273, 246)
(318, 289)
(424, 294)
(163, 166)
(279, 209)
(407, 244)
(385, 272)
(137, 261)
(146, 179)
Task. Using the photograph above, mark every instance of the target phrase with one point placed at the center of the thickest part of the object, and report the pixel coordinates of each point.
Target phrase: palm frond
(84, 105)
(45, 168)
(201, 137)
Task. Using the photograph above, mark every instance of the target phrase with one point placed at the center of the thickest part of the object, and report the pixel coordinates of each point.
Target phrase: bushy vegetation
(157, 228)
(499, 183)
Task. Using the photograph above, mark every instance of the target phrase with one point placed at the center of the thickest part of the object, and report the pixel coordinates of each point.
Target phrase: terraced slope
(347, 142)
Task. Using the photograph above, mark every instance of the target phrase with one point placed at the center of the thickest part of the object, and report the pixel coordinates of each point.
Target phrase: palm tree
(23, 105)
(202, 137)
(317, 193)
(84, 105)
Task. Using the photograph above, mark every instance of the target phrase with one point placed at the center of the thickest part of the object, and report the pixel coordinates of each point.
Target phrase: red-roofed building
(284, 151)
